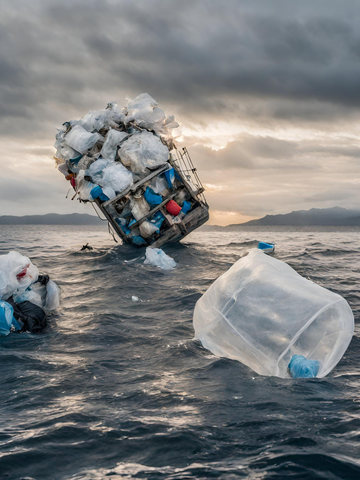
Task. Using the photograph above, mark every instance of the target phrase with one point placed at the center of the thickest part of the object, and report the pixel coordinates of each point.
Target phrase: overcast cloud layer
(267, 94)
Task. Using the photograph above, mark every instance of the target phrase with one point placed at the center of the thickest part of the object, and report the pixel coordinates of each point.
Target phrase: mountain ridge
(51, 219)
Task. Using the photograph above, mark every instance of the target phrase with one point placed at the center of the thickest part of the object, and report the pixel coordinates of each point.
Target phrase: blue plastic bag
(300, 367)
(97, 192)
(7, 319)
(152, 198)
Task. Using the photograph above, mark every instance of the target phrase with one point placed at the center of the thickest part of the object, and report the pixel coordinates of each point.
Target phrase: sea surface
(117, 388)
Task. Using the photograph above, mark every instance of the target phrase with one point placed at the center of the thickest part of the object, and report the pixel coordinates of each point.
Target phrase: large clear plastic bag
(143, 150)
(262, 313)
(81, 140)
(17, 273)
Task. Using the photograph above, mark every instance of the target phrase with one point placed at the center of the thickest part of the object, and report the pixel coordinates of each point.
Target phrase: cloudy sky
(267, 94)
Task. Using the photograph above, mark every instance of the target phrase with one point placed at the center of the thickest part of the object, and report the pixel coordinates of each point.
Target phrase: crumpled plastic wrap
(143, 150)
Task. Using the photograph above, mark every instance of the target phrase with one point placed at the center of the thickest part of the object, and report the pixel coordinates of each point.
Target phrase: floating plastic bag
(143, 150)
(261, 312)
(81, 140)
(52, 296)
(158, 258)
(17, 273)
(113, 138)
(7, 319)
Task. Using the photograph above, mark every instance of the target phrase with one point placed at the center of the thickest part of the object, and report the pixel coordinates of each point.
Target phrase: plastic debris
(300, 367)
(81, 140)
(158, 258)
(26, 293)
(134, 298)
(17, 273)
(262, 313)
(126, 162)
(8, 322)
(142, 151)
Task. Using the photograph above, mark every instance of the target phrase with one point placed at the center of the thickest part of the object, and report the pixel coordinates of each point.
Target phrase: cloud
(276, 88)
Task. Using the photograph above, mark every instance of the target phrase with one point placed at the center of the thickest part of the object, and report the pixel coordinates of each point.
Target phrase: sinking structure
(126, 163)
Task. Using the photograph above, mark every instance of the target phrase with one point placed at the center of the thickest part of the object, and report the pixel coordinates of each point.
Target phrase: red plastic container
(173, 208)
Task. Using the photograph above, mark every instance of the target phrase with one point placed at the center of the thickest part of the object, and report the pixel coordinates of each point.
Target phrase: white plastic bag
(143, 150)
(144, 111)
(262, 313)
(81, 140)
(52, 296)
(117, 177)
(113, 138)
(158, 258)
(96, 120)
(17, 273)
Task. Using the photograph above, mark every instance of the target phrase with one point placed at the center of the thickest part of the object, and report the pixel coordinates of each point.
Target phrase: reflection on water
(119, 389)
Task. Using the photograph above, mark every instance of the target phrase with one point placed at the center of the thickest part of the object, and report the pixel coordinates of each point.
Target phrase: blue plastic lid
(300, 367)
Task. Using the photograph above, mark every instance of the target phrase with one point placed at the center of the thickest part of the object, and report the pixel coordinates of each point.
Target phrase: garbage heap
(25, 296)
(120, 159)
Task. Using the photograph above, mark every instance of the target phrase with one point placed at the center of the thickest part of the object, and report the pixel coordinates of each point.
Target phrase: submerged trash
(266, 247)
(263, 313)
(25, 295)
(158, 258)
(126, 162)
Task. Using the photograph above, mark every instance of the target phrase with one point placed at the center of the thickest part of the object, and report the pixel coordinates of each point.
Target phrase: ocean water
(116, 388)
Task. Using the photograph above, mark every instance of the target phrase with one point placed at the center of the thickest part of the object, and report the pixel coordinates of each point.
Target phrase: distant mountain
(335, 216)
(51, 219)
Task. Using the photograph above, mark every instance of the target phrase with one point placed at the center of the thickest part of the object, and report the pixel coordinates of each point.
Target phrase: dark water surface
(118, 389)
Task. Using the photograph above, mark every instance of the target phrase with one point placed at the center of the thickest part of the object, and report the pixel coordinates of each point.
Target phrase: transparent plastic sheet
(158, 258)
(262, 313)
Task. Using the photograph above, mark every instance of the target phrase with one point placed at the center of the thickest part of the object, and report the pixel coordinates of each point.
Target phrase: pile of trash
(25, 296)
(264, 314)
(108, 151)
